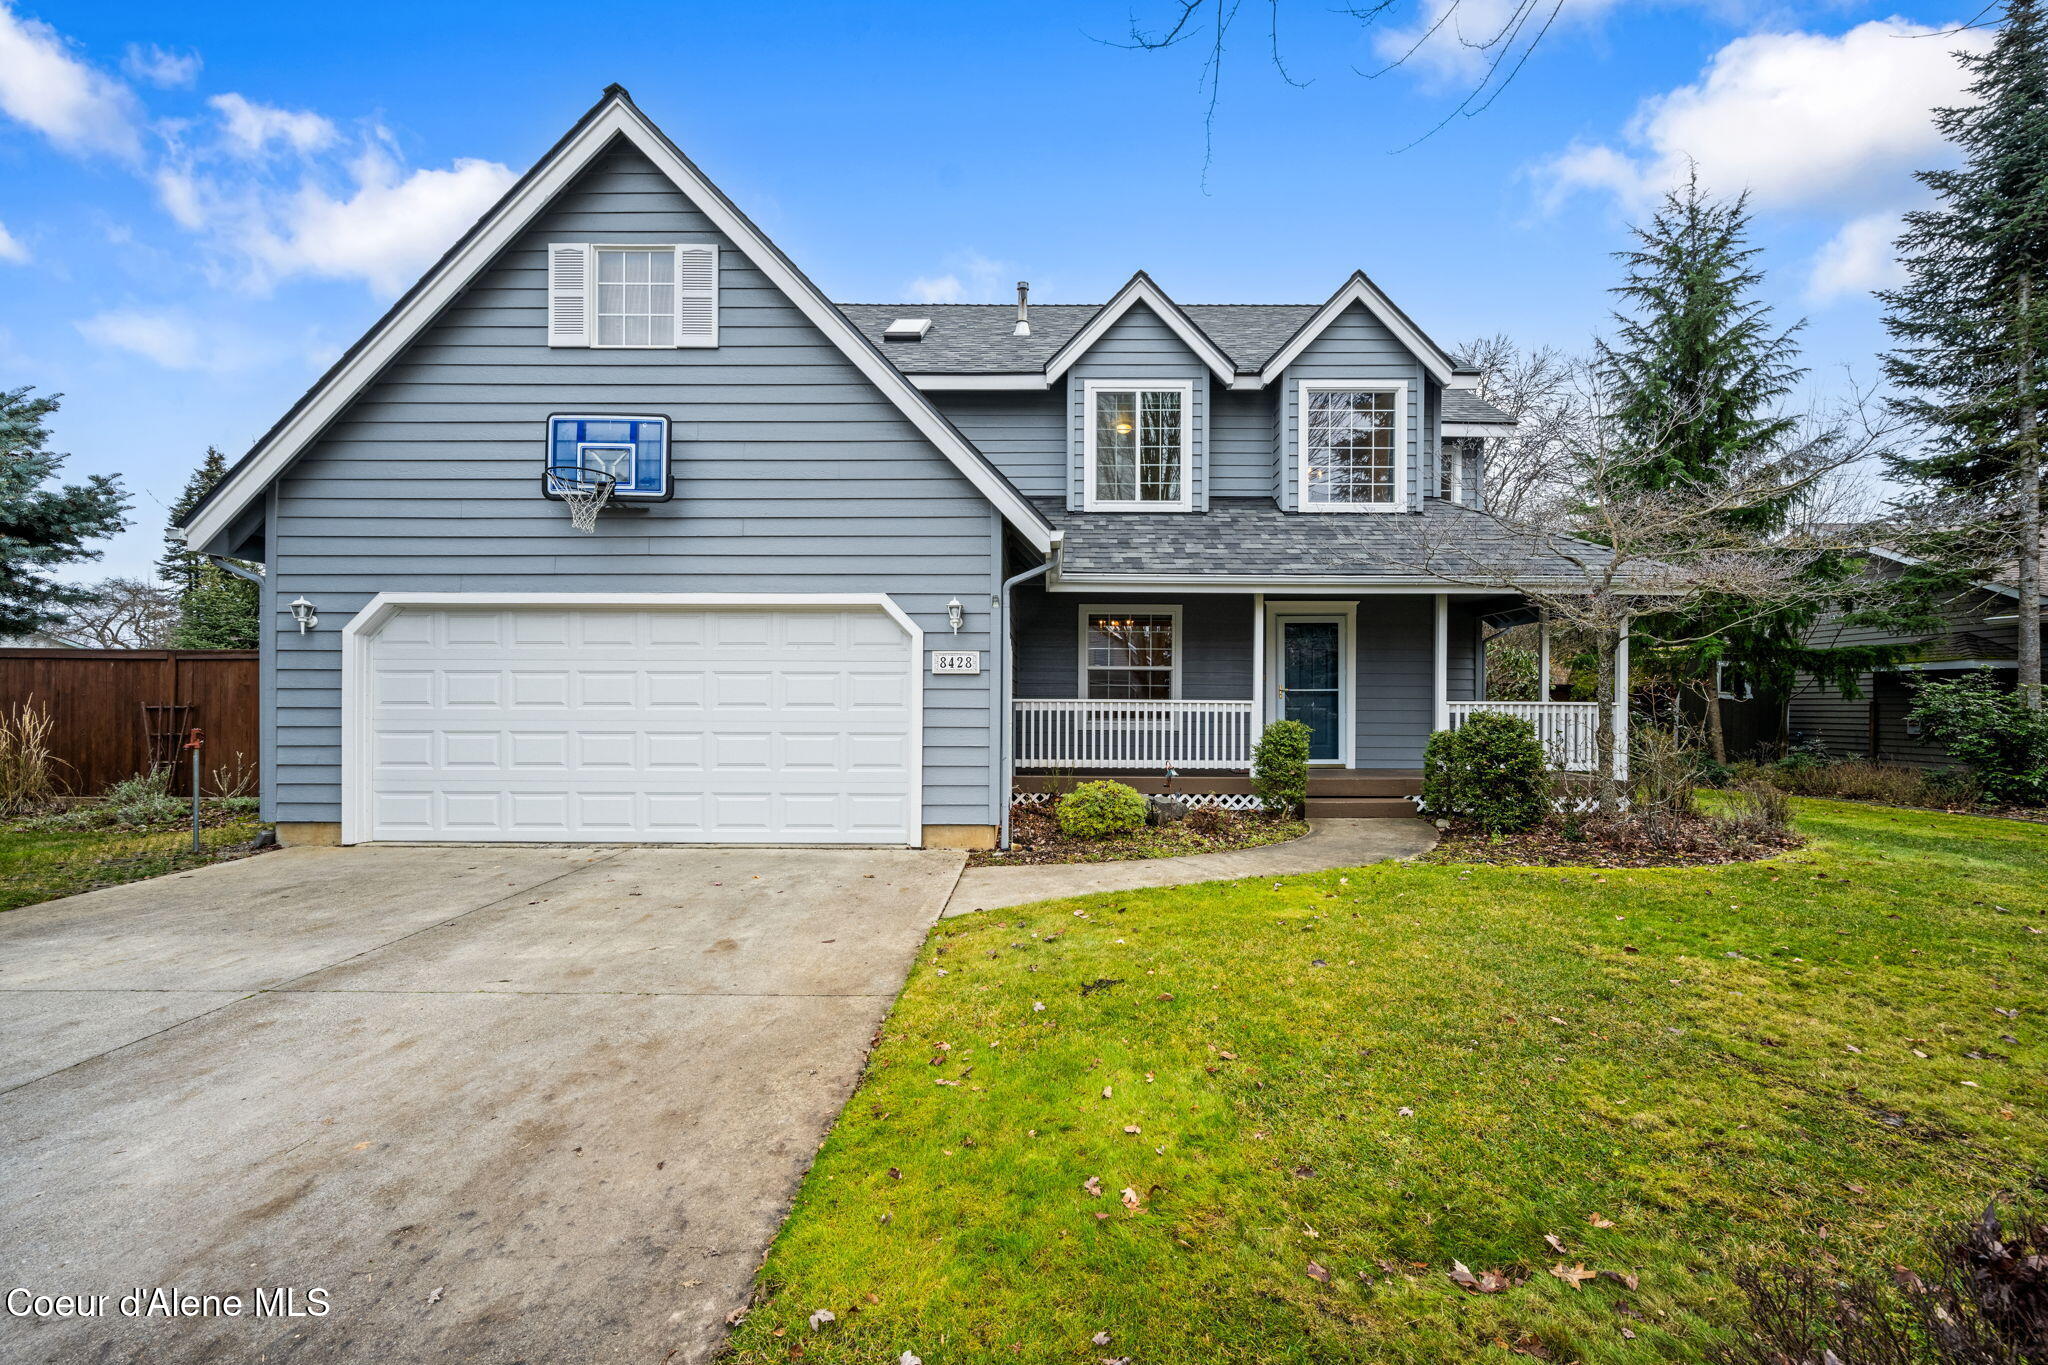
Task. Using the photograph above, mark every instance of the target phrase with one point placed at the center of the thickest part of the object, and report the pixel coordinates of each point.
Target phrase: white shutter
(569, 291)
(696, 294)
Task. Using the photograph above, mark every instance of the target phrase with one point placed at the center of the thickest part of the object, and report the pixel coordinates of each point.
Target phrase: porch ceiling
(1252, 537)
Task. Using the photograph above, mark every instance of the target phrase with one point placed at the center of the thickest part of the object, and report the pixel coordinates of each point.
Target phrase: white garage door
(774, 725)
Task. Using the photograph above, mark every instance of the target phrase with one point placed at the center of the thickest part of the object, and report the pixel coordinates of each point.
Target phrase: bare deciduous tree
(1530, 474)
(119, 613)
(1618, 550)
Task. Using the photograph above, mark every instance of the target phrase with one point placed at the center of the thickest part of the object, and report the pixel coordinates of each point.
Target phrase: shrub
(1491, 769)
(1097, 810)
(1663, 771)
(1759, 809)
(1893, 784)
(1993, 733)
(1280, 766)
(1207, 821)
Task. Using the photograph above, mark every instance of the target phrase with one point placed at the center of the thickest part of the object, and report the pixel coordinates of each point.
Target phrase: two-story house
(850, 569)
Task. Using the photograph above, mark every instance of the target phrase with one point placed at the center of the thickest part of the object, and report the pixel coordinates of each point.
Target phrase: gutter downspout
(1006, 721)
(223, 562)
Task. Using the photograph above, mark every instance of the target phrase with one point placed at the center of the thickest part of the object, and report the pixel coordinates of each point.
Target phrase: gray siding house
(1978, 632)
(852, 572)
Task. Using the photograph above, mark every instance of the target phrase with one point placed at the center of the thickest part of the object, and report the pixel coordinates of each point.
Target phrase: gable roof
(1139, 290)
(974, 345)
(613, 117)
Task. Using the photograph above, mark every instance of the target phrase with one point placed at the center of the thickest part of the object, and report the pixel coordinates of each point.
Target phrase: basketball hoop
(584, 491)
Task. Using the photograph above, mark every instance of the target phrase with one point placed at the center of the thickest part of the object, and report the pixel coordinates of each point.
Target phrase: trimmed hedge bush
(1280, 766)
(2004, 745)
(1096, 810)
(1492, 770)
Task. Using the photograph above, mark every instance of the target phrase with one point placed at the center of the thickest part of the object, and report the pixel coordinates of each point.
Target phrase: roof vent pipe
(1023, 328)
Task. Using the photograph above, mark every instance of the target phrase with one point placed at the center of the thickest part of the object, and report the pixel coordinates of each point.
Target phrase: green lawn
(40, 865)
(1670, 1051)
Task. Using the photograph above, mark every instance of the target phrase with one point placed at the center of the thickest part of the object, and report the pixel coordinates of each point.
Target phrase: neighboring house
(1979, 631)
(860, 562)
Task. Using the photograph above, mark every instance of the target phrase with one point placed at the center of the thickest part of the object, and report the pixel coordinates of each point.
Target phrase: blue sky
(201, 205)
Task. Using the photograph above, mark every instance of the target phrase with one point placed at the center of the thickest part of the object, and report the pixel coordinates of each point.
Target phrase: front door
(1312, 682)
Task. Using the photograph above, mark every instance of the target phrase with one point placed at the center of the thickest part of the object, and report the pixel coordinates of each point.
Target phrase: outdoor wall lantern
(303, 613)
(956, 614)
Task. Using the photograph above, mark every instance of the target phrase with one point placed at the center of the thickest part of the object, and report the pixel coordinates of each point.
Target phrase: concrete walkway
(1328, 844)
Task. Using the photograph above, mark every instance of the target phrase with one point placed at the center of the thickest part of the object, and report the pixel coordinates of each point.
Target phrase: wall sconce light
(956, 614)
(303, 613)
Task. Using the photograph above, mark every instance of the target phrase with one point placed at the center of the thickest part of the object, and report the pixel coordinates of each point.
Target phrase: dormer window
(1353, 445)
(1138, 457)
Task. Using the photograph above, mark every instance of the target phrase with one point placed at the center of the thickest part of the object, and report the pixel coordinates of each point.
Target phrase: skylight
(907, 329)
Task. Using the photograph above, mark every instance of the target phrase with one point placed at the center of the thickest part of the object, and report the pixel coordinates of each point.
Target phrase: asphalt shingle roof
(1463, 405)
(1251, 536)
(977, 338)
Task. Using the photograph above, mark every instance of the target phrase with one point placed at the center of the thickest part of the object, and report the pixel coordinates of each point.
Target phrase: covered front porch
(1141, 687)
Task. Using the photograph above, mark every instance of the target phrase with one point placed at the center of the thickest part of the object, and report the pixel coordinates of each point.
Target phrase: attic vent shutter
(568, 294)
(696, 294)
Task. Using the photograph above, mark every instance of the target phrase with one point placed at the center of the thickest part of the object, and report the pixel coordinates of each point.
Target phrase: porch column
(1542, 655)
(1440, 681)
(1621, 703)
(1258, 665)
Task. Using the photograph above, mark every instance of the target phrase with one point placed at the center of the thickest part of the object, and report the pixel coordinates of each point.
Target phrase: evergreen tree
(1696, 378)
(41, 526)
(1969, 325)
(217, 609)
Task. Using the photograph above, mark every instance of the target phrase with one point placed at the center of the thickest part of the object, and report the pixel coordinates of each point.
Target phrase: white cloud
(970, 278)
(11, 248)
(1801, 120)
(153, 65)
(1858, 259)
(44, 86)
(392, 226)
(248, 129)
(168, 340)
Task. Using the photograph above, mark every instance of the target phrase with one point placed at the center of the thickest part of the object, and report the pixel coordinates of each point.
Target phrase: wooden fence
(118, 712)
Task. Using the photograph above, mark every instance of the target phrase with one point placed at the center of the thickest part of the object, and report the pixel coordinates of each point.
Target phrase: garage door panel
(677, 724)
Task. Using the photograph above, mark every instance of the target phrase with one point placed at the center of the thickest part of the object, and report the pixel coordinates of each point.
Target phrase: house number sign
(956, 661)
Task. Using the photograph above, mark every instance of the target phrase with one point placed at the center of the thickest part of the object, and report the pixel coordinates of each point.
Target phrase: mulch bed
(1035, 838)
(1668, 841)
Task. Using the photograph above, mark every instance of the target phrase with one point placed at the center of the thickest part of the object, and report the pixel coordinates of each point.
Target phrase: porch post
(1258, 665)
(1542, 654)
(1440, 681)
(1621, 703)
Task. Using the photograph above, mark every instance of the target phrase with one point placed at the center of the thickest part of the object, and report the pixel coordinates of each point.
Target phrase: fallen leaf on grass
(820, 1318)
(1527, 1346)
(1597, 1221)
(1574, 1276)
(1620, 1277)
(1093, 1184)
(1316, 1272)
(1554, 1242)
(1131, 1128)
(1485, 1282)
(1100, 1339)
(1130, 1198)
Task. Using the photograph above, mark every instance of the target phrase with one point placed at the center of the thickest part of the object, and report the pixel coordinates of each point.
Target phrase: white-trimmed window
(1353, 445)
(1731, 685)
(1139, 457)
(632, 296)
(636, 296)
(1130, 653)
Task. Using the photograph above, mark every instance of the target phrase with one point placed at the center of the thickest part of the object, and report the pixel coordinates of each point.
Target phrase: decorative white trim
(614, 117)
(1346, 615)
(1403, 435)
(943, 383)
(1359, 289)
(1440, 663)
(1135, 609)
(357, 760)
(1949, 666)
(1141, 289)
(1403, 583)
(1484, 430)
(1186, 390)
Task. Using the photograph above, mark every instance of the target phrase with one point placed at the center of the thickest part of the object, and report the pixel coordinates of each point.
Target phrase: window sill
(1137, 507)
(1352, 508)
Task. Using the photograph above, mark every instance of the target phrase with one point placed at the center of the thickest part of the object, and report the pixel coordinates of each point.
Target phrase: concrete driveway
(496, 1104)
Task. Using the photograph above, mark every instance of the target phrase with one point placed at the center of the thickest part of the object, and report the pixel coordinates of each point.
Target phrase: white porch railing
(1134, 734)
(1565, 727)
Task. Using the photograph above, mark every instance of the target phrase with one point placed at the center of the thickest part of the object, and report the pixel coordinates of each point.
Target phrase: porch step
(1356, 783)
(1360, 808)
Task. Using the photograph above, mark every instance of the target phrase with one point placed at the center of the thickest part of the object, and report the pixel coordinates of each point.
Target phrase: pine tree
(43, 527)
(1969, 326)
(1696, 377)
(217, 609)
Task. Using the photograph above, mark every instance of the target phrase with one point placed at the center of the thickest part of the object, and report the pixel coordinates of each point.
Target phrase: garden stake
(195, 744)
